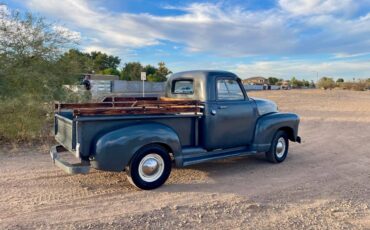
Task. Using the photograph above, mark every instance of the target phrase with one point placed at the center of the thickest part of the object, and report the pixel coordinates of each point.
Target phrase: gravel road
(323, 184)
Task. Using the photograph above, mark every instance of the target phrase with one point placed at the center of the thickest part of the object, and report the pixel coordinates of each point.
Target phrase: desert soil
(323, 184)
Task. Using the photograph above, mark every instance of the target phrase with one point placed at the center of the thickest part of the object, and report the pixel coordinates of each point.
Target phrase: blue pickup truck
(204, 115)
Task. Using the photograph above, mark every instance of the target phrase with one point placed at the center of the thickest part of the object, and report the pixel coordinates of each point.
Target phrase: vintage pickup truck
(204, 115)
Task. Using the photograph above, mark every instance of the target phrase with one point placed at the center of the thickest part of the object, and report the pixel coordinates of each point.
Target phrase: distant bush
(24, 119)
(356, 86)
(326, 83)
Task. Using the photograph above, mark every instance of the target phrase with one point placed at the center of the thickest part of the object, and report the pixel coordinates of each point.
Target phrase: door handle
(222, 107)
(213, 112)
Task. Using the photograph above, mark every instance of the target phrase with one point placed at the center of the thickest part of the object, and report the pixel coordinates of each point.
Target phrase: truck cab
(228, 111)
(203, 116)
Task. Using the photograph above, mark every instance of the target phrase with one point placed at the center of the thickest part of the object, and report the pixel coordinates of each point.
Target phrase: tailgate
(65, 130)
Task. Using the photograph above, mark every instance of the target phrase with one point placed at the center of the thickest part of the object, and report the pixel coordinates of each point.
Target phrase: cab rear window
(183, 87)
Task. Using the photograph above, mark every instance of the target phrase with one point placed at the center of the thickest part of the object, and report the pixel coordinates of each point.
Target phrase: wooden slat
(82, 105)
(116, 99)
(120, 111)
(92, 105)
(179, 102)
(172, 99)
(124, 104)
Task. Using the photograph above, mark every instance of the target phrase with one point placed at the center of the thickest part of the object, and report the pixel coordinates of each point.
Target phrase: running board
(204, 156)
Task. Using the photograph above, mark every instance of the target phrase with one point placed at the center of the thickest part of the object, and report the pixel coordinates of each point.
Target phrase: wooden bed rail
(115, 99)
(132, 107)
(59, 106)
(128, 111)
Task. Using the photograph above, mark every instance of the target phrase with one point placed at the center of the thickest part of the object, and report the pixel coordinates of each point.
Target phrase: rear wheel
(150, 167)
(279, 147)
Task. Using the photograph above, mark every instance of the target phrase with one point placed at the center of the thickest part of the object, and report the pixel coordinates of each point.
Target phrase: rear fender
(267, 126)
(114, 150)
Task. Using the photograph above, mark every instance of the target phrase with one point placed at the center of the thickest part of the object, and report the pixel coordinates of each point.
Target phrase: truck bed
(83, 122)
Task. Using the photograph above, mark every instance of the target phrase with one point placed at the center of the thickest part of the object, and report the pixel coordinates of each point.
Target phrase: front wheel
(279, 147)
(150, 167)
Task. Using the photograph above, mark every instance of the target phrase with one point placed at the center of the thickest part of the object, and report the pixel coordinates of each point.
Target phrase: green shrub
(326, 83)
(31, 75)
(24, 119)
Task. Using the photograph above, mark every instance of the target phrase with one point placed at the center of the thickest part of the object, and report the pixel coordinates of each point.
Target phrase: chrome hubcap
(280, 147)
(151, 167)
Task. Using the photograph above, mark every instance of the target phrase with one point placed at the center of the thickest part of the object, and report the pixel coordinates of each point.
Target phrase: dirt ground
(323, 184)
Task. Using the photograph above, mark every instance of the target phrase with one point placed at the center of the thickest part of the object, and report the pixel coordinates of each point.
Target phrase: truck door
(231, 117)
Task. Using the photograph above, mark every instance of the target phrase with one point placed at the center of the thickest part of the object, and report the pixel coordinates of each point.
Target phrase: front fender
(267, 126)
(114, 150)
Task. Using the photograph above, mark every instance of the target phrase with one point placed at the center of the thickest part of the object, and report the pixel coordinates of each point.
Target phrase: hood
(265, 106)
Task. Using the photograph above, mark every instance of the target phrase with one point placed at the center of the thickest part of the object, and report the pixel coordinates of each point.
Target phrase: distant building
(255, 81)
(286, 85)
(100, 84)
(102, 77)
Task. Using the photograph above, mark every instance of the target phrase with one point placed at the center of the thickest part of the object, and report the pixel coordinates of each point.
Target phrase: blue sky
(281, 38)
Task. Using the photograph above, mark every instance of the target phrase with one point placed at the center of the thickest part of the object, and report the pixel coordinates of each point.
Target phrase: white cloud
(115, 30)
(312, 7)
(296, 27)
(346, 55)
(305, 69)
(100, 48)
(67, 33)
(202, 27)
(4, 9)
